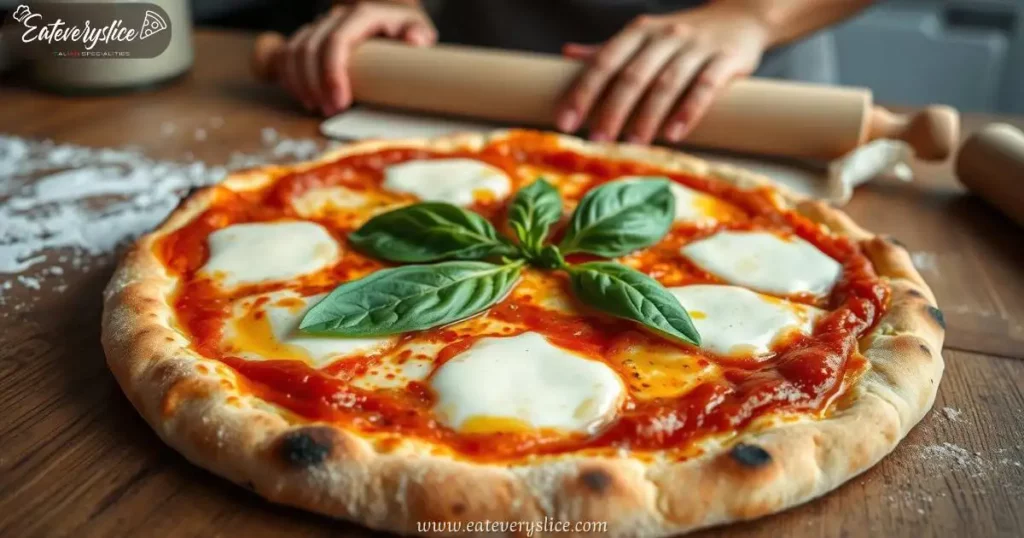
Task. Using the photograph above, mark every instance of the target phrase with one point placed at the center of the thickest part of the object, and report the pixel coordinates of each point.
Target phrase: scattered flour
(969, 310)
(952, 414)
(918, 501)
(925, 261)
(63, 205)
(946, 456)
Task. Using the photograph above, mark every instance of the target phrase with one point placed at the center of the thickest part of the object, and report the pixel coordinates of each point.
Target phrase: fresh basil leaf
(549, 257)
(427, 232)
(626, 293)
(411, 298)
(620, 217)
(534, 209)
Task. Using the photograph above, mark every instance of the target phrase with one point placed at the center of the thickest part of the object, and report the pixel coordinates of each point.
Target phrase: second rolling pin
(752, 116)
(991, 164)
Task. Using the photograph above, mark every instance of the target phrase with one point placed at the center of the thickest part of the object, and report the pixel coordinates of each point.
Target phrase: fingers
(312, 50)
(663, 93)
(702, 92)
(338, 46)
(579, 51)
(629, 85)
(661, 73)
(419, 34)
(293, 78)
(604, 64)
(314, 64)
(411, 25)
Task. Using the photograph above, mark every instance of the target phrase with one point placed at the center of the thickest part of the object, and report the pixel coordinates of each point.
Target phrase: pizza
(522, 327)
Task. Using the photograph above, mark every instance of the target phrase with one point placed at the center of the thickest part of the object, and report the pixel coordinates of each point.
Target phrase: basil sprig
(534, 210)
(411, 298)
(429, 232)
(627, 293)
(611, 220)
(620, 217)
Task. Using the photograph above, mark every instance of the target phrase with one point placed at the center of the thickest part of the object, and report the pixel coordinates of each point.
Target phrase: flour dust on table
(69, 205)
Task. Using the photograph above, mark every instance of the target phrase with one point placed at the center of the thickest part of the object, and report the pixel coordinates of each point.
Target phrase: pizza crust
(194, 404)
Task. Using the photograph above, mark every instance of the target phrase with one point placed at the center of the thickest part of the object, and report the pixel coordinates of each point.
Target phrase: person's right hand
(314, 65)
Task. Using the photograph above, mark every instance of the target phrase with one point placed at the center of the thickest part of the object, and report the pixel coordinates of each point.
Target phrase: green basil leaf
(411, 298)
(620, 217)
(427, 232)
(549, 257)
(626, 293)
(534, 209)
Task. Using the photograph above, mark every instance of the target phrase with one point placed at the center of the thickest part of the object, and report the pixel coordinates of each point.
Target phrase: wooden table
(76, 460)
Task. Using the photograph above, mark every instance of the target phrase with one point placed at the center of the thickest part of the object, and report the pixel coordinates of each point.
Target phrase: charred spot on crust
(458, 509)
(914, 293)
(306, 447)
(192, 190)
(895, 241)
(936, 314)
(597, 480)
(750, 455)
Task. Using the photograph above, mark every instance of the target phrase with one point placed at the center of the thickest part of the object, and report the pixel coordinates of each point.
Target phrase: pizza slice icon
(152, 24)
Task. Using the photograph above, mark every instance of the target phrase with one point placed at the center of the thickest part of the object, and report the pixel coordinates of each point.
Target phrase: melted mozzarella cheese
(318, 200)
(260, 252)
(765, 262)
(693, 205)
(736, 321)
(267, 327)
(522, 382)
(456, 181)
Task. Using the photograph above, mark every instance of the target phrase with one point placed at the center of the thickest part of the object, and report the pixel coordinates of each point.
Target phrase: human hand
(314, 65)
(661, 71)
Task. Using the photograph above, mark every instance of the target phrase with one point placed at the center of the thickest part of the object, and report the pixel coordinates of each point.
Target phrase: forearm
(786, 20)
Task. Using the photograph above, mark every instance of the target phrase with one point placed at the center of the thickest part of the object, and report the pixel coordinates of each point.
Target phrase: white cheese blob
(318, 200)
(456, 181)
(267, 327)
(260, 252)
(522, 382)
(736, 321)
(765, 262)
(693, 205)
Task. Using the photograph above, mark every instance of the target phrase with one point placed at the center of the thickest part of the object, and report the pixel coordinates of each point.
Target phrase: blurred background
(966, 53)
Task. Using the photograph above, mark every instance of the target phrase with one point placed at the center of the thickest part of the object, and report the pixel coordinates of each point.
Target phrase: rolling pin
(991, 164)
(752, 116)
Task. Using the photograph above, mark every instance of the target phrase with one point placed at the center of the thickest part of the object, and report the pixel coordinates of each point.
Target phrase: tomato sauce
(805, 375)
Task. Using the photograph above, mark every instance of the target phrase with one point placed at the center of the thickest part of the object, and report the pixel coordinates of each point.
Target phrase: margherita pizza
(522, 326)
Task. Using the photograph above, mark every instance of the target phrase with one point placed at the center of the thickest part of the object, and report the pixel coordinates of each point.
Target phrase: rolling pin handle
(933, 133)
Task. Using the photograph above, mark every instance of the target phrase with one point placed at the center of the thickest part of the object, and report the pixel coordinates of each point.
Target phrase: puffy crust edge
(196, 406)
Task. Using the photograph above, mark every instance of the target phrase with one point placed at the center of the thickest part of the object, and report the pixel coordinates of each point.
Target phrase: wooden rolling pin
(752, 116)
(991, 164)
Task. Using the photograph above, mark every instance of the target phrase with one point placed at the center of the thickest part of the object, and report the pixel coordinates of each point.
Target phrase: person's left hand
(661, 71)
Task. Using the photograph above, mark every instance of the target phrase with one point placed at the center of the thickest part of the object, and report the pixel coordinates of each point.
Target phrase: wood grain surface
(76, 460)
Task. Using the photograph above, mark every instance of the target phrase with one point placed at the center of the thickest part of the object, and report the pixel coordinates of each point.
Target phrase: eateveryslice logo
(88, 35)
(128, 29)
